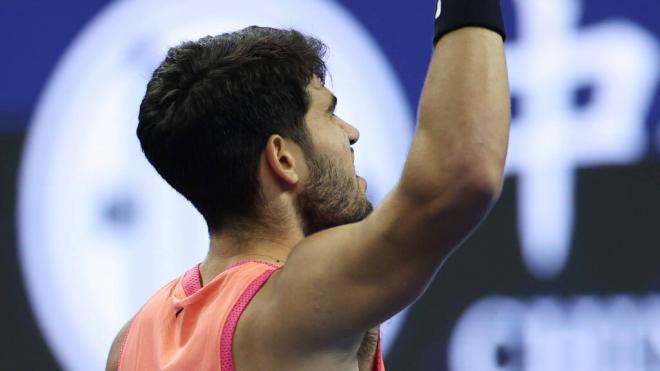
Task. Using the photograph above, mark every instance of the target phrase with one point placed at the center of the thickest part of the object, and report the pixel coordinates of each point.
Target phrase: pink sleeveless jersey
(185, 326)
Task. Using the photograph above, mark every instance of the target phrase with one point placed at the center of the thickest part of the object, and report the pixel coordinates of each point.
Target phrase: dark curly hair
(212, 104)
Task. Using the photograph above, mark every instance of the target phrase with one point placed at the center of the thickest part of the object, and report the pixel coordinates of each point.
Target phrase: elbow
(473, 192)
(478, 174)
(485, 185)
(467, 185)
(481, 188)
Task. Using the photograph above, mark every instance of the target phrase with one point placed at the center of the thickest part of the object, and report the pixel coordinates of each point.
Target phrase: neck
(228, 247)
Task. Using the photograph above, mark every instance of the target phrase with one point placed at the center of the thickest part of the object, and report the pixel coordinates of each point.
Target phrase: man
(300, 272)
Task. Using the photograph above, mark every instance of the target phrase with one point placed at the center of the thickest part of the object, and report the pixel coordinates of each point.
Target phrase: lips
(362, 180)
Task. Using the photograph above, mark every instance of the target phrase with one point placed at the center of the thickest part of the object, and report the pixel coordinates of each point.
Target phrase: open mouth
(362, 181)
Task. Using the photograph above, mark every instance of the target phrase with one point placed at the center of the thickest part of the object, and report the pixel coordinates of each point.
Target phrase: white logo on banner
(548, 334)
(551, 138)
(100, 231)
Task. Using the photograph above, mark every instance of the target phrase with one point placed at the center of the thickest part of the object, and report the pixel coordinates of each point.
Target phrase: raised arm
(342, 281)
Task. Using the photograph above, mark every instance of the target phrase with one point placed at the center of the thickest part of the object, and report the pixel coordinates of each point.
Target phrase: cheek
(331, 141)
(342, 154)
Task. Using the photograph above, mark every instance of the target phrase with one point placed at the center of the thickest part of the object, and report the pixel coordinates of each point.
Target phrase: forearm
(464, 116)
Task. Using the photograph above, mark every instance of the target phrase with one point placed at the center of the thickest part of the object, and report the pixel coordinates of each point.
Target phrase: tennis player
(300, 272)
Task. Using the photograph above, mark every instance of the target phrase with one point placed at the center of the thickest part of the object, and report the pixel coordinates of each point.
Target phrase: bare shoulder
(115, 349)
(246, 344)
(263, 342)
(252, 348)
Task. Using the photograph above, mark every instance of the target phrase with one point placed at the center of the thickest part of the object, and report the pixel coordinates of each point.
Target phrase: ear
(280, 158)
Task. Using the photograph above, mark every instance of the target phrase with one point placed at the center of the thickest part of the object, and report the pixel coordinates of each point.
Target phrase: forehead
(319, 95)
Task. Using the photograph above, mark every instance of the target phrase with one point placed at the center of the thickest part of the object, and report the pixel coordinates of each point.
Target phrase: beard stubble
(331, 197)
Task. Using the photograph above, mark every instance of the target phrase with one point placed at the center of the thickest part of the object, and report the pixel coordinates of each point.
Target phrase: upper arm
(115, 350)
(342, 281)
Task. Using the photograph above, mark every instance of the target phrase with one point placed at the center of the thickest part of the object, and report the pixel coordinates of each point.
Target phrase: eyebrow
(333, 104)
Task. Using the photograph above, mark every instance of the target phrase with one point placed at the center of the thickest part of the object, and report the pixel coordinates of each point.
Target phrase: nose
(353, 133)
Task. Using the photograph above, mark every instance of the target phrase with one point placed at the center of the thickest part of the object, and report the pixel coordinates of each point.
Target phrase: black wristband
(454, 14)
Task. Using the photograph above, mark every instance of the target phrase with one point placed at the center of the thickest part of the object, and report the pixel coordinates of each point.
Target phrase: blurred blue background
(563, 275)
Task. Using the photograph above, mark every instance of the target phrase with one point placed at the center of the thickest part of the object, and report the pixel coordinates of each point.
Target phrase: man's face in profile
(333, 193)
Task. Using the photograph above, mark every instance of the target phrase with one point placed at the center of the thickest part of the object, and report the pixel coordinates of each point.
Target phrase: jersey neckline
(192, 279)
